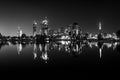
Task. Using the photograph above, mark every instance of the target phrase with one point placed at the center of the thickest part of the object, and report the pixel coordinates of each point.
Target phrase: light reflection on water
(48, 51)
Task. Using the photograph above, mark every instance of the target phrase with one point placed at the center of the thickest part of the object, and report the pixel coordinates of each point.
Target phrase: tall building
(34, 28)
(44, 26)
(19, 32)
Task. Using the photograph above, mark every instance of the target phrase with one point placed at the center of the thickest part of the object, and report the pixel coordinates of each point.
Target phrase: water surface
(60, 55)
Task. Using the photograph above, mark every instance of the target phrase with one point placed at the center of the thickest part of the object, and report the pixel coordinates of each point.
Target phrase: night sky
(60, 14)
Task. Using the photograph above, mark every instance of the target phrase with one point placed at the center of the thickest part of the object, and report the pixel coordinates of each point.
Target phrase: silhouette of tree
(118, 33)
(0, 35)
(118, 48)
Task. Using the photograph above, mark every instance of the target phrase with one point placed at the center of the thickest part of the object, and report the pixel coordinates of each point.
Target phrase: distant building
(76, 30)
(19, 32)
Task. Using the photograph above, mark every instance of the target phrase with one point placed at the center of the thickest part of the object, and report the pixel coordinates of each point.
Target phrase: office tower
(34, 28)
(44, 26)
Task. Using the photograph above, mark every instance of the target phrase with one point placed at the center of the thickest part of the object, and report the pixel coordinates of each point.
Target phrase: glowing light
(100, 26)
(65, 37)
(45, 56)
(65, 42)
(45, 22)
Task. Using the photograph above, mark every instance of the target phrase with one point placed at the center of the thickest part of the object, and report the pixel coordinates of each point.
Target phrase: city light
(44, 33)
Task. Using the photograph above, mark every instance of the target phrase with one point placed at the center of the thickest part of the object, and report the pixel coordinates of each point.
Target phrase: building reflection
(73, 48)
(101, 45)
(44, 48)
(41, 49)
(69, 47)
(35, 51)
(21, 46)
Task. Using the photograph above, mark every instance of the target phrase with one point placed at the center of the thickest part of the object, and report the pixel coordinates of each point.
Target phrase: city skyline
(63, 37)
(60, 14)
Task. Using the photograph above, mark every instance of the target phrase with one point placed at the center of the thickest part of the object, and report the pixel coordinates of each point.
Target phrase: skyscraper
(34, 28)
(44, 25)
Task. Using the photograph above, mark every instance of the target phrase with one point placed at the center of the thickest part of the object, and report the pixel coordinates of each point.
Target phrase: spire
(100, 26)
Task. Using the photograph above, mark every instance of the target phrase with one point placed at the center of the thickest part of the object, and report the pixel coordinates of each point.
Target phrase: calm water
(60, 54)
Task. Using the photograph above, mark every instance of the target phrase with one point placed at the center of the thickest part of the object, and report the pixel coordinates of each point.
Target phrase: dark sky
(60, 13)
